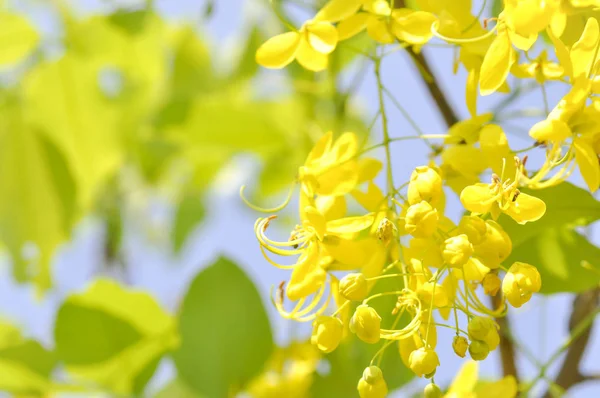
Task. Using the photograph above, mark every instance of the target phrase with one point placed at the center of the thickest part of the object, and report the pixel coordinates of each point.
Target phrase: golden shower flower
(520, 282)
(372, 384)
(457, 250)
(423, 361)
(366, 324)
(327, 333)
(354, 287)
(421, 220)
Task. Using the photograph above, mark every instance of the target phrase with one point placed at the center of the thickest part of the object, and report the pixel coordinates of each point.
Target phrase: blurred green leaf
(497, 7)
(25, 365)
(351, 358)
(18, 38)
(177, 389)
(38, 195)
(113, 337)
(225, 332)
(552, 245)
(189, 214)
(247, 65)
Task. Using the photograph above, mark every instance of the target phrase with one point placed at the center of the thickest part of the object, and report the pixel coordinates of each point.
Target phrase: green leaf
(18, 38)
(190, 213)
(497, 7)
(247, 65)
(113, 337)
(351, 358)
(562, 256)
(225, 333)
(38, 195)
(25, 365)
(177, 388)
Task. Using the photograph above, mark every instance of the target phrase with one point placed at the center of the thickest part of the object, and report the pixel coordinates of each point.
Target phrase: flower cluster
(445, 268)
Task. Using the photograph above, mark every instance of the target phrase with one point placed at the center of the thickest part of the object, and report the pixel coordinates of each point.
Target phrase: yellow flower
(497, 62)
(520, 282)
(366, 324)
(327, 333)
(479, 350)
(529, 17)
(504, 197)
(540, 69)
(421, 220)
(457, 250)
(495, 247)
(433, 291)
(432, 391)
(479, 327)
(460, 345)
(474, 227)
(310, 46)
(465, 384)
(491, 284)
(425, 185)
(423, 361)
(354, 287)
(372, 384)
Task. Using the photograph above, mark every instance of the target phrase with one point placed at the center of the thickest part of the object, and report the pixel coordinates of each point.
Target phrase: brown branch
(430, 81)
(507, 347)
(570, 374)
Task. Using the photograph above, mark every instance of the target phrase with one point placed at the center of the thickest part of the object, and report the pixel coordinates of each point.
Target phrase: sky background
(228, 229)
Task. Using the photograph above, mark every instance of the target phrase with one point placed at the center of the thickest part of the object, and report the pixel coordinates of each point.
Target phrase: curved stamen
(434, 30)
(263, 209)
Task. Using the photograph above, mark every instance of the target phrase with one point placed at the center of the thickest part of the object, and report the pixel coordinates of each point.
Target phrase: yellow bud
(423, 361)
(327, 333)
(460, 345)
(386, 230)
(425, 184)
(479, 350)
(474, 227)
(457, 250)
(432, 391)
(433, 291)
(491, 283)
(366, 323)
(354, 287)
(421, 220)
(479, 327)
(520, 282)
(372, 384)
(492, 339)
(496, 246)
(550, 130)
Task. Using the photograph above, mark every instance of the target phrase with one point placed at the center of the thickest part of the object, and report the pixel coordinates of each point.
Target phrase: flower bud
(457, 250)
(479, 327)
(372, 384)
(386, 230)
(491, 283)
(366, 323)
(492, 339)
(354, 287)
(460, 345)
(474, 227)
(421, 220)
(550, 130)
(496, 246)
(479, 350)
(423, 361)
(432, 391)
(425, 184)
(433, 291)
(327, 333)
(520, 282)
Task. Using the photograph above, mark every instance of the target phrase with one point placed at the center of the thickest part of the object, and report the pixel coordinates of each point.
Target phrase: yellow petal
(332, 207)
(338, 10)
(465, 380)
(350, 225)
(321, 147)
(322, 36)
(309, 58)
(372, 200)
(307, 276)
(504, 388)
(352, 26)
(587, 160)
(526, 208)
(379, 31)
(278, 51)
(477, 198)
(496, 64)
(562, 53)
(368, 169)
(583, 51)
(413, 27)
(550, 130)
(522, 42)
(315, 220)
(466, 159)
(471, 91)
(347, 252)
(344, 148)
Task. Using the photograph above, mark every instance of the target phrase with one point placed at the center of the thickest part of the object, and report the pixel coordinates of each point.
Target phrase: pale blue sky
(228, 229)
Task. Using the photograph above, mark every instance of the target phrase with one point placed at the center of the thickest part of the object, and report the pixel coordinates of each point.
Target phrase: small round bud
(457, 250)
(491, 283)
(520, 282)
(496, 246)
(423, 361)
(425, 184)
(372, 384)
(421, 220)
(460, 345)
(327, 333)
(479, 327)
(479, 350)
(354, 287)
(432, 391)
(366, 323)
(474, 227)
(386, 230)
